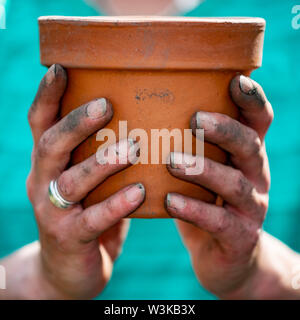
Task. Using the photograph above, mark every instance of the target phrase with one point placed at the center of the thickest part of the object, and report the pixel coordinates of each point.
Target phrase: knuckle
(270, 114)
(260, 158)
(264, 205)
(115, 207)
(222, 223)
(88, 223)
(262, 208)
(66, 184)
(242, 187)
(254, 145)
(43, 148)
(110, 206)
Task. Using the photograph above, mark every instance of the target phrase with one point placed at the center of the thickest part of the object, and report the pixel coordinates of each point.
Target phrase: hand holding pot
(224, 241)
(72, 262)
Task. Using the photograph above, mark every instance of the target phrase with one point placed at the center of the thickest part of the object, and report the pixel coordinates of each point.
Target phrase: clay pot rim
(152, 42)
(117, 21)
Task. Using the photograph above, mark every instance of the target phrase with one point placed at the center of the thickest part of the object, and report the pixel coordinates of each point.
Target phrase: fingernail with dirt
(182, 160)
(199, 122)
(175, 160)
(51, 74)
(247, 86)
(135, 193)
(175, 201)
(97, 109)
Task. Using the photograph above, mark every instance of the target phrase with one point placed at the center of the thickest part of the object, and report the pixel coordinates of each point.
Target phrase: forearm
(25, 278)
(274, 273)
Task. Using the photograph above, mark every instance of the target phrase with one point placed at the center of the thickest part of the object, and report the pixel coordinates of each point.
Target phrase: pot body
(152, 84)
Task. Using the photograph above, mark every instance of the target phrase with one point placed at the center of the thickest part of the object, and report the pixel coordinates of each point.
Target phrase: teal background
(154, 263)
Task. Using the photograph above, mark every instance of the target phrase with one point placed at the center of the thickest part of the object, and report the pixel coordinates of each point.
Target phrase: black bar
(144, 309)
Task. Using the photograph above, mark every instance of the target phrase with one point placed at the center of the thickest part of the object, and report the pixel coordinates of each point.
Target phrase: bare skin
(68, 262)
(232, 256)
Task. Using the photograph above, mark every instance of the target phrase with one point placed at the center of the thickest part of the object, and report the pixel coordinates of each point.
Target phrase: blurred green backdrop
(154, 263)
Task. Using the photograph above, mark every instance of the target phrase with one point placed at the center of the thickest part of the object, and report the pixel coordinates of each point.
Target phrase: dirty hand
(72, 263)
(224, 242)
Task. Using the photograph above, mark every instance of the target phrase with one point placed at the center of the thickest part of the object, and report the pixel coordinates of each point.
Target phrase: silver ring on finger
(56, 198)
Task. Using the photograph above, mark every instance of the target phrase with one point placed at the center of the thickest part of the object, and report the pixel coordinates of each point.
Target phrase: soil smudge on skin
(73, 119)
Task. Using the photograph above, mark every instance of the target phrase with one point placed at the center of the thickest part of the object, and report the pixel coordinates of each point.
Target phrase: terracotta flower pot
(156, 72)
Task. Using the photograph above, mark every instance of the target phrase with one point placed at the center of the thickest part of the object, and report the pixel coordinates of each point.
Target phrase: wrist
(25, 276)
(47, 289)
(40, 286)
(271, 275)
(78, 281)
